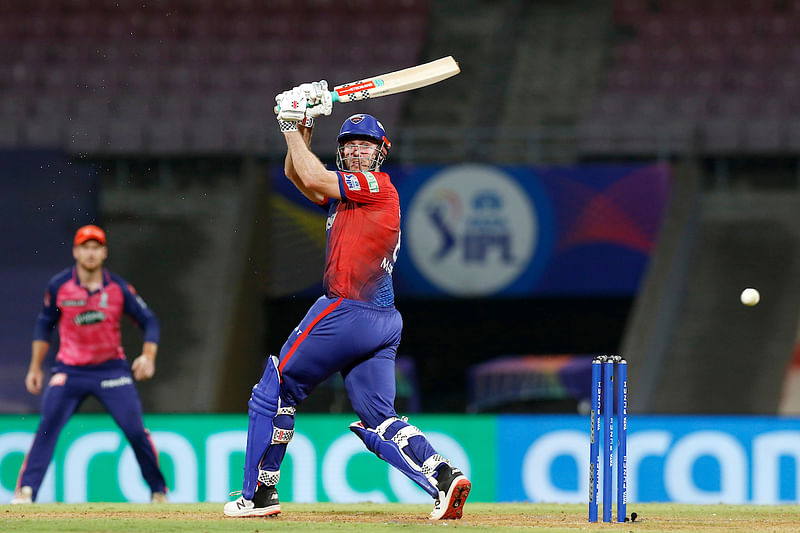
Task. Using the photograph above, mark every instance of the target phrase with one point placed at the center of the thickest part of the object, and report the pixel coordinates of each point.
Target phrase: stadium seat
(763, 136)
(166, 136)
(86, 135)
(209, 135)
(126, 136)
(119, 59)
(9, 133)
(719, 66)
(720, 136)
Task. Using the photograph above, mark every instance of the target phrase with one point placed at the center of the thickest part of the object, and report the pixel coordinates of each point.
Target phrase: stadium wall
(699, 459)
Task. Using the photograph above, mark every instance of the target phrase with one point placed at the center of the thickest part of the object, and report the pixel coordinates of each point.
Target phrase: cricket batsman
(354, 328)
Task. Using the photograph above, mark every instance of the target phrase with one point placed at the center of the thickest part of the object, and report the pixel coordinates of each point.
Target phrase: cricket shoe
(159, 497)
(22, 495)
(453, 488)
(264, 503)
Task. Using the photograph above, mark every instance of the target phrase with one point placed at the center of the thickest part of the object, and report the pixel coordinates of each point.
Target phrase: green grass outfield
(392, 517)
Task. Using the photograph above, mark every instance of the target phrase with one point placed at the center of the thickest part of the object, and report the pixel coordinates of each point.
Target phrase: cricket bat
(395, 82)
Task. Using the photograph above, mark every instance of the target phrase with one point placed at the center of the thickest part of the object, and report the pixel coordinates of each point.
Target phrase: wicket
(603, 403)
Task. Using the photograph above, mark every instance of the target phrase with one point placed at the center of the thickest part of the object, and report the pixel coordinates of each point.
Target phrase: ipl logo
(472, 230)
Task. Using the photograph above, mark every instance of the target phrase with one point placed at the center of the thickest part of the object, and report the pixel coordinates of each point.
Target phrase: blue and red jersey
(89, 322)
(363, 239)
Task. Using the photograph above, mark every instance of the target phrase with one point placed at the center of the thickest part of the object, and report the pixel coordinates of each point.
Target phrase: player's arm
(311, 174)
(291, 173)
(45, 322)
(144, 366)
(33, 380)
(302, 167)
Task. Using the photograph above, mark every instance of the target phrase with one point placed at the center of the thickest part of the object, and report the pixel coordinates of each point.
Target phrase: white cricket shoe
(264, 503)
(159, 497)
(22, 495)
(453, 488)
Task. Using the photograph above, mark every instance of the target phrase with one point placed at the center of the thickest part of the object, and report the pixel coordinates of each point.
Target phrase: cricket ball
(750, 297)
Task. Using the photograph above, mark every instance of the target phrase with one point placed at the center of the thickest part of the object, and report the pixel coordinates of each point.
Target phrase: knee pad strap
(431, 464)
(285, 418)
(403, 434)
(387, 449)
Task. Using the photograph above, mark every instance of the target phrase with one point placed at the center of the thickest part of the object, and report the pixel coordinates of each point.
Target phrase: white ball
(750, 297)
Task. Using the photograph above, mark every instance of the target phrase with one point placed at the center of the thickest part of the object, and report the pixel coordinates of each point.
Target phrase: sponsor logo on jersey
(372, 182)
(116, 382)
(57, 380)
(89, 317)
(73, 303)
(329, 221)
(351, 180)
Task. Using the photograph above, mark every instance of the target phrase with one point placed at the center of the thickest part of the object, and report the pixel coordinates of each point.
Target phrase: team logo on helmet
(356, 119)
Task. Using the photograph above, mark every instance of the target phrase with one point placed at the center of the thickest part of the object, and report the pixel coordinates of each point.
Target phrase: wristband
(287, 125)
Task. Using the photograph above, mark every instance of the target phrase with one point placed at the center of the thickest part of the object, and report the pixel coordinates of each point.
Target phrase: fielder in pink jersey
(354, 328)
(87, 302)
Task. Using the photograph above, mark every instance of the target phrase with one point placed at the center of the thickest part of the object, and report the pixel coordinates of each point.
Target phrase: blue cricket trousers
(112, 384)
(355, 338)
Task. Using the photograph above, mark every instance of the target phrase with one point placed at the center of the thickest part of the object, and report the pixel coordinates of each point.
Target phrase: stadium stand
(717, 77)
(559, 58)
(171, 73)
(140, 88)
(465, 30)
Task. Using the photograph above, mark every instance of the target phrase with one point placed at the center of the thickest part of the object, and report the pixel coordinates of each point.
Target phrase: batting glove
(319, 98)
(283, 124)
(292, 105)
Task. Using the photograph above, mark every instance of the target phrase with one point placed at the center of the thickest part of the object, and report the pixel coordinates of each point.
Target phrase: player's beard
(359, 161)
(362, 164)
(91, 263)
(354, 163)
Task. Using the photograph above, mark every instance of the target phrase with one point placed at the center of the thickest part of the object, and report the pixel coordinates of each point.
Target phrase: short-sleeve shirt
(363, 238)
(89, 322)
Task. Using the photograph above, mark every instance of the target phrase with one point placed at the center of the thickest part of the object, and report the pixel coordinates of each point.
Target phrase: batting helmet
(363, 125)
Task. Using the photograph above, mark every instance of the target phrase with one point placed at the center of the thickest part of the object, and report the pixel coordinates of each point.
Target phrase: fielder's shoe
(453, 488)
(159, 497)
(22, 495)
(264, 503)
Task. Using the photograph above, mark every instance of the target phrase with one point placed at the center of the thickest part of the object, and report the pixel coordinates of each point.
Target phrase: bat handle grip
(334, 98)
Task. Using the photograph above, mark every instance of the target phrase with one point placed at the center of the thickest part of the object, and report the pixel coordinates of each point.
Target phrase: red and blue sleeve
(364, 187)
